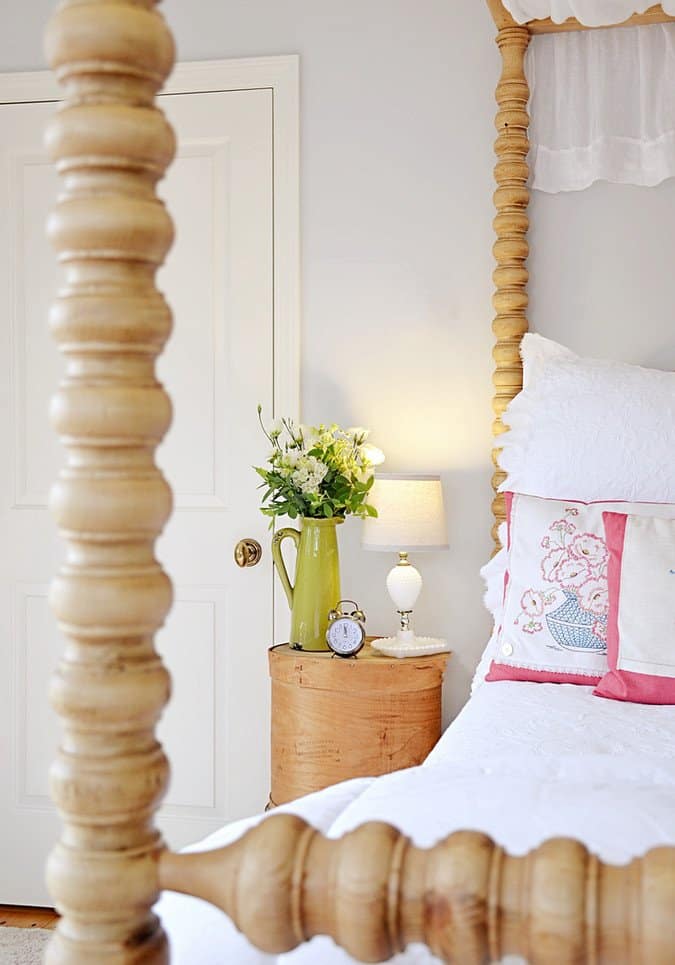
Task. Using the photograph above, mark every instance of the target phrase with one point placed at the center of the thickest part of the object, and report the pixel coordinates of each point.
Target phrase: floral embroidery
(571, 573)
(532, 603)
(593, 596)
(551, 562)
(575, 609)
(590, 548)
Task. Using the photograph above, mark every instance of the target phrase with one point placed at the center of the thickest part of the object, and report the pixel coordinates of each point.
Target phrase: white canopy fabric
(602, 106)
(593, 13)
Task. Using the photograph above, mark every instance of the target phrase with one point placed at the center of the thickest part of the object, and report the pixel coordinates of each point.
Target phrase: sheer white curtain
(594, 13)
(602, 104)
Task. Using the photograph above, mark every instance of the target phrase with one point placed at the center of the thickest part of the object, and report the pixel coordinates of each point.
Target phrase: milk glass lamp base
(414, 647)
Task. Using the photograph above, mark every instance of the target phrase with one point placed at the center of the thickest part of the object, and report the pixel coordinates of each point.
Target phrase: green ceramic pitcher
(316, 589)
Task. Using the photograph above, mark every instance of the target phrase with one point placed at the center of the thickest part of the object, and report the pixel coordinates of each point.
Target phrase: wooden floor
(18, 916)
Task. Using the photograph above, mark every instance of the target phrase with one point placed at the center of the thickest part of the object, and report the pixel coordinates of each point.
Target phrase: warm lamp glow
(410, 514)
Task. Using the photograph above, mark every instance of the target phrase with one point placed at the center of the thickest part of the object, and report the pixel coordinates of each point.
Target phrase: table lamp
(410, 516)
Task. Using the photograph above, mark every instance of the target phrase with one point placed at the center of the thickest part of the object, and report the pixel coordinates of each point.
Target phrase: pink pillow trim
(503, 671)
(635, 688)
(615, 534)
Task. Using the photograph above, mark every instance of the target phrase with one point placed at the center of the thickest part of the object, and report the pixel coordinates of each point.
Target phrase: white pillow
(583, 429)
(493, 575)
(589, 429)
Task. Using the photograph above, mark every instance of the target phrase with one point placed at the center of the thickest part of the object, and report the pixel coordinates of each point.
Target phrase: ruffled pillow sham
(641, 619)
(589, 429)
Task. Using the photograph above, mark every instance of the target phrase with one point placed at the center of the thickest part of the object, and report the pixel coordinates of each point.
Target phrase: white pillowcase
(493, 574)
(589, 429)
(583, 429)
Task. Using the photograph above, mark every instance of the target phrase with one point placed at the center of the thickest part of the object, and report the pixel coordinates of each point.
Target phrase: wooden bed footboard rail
(374, 893)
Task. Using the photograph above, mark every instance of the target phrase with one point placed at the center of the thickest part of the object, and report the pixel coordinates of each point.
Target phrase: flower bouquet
(320, 475)
(316, 472)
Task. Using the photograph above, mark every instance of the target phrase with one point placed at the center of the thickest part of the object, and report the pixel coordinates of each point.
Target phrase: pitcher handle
(277, 540)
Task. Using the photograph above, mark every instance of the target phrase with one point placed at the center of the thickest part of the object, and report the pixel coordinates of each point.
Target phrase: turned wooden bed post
(511, 199)
(111, 145)
(511, 225)
(282, 883)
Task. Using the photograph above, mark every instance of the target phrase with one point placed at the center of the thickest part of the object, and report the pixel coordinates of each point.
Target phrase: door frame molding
(280, 75)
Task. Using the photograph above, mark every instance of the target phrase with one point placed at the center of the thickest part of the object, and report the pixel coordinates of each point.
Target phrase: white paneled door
(218, 367)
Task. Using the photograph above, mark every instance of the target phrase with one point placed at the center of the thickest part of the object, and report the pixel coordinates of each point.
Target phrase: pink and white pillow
(641, 620)
(583, 429)
(556, 601)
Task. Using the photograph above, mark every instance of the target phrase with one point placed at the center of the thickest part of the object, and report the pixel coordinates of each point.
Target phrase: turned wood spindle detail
(111, 145)
(511, 224)
(374, 893)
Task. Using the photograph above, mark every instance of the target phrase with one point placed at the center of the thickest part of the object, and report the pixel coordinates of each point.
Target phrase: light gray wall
(397, 128)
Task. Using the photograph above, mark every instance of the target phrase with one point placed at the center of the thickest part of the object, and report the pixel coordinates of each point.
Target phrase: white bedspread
(523, 762)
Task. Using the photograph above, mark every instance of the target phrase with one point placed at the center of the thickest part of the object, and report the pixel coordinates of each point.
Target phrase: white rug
(23, 946)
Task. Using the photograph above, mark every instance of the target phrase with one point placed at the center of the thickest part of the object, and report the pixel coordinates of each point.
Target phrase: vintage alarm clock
(346, 631)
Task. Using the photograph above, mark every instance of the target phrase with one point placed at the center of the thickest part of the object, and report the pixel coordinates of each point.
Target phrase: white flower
(309, 474)
(358, 433)
(276, 429)
(374, 455)
(308, 433)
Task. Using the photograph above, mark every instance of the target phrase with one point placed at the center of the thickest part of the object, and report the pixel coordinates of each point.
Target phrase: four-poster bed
(282, 883)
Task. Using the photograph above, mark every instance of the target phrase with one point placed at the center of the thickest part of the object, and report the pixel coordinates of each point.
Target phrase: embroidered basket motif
(572, 627)
(574, 604)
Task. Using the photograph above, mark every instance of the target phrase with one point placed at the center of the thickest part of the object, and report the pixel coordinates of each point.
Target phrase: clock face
(345, 636)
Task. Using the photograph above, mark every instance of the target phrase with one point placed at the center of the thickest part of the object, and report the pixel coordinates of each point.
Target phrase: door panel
(217, 367)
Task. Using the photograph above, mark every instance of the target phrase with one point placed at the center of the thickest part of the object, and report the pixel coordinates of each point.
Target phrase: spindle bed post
(511, 224)
(282, 883)
(111, 233)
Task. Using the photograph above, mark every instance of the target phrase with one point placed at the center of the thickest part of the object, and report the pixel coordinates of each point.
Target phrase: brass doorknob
(247, 552)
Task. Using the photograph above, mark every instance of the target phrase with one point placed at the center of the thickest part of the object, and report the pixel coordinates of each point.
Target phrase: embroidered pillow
(641, 622)
(556, 601)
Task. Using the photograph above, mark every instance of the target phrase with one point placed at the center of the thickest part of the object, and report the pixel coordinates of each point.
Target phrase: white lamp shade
(410, 514)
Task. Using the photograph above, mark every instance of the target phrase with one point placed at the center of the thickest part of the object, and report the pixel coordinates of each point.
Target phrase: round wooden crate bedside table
(334, 719)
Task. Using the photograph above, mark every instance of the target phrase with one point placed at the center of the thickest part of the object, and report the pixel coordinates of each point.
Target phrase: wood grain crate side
(368, 673)
(328, 726)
